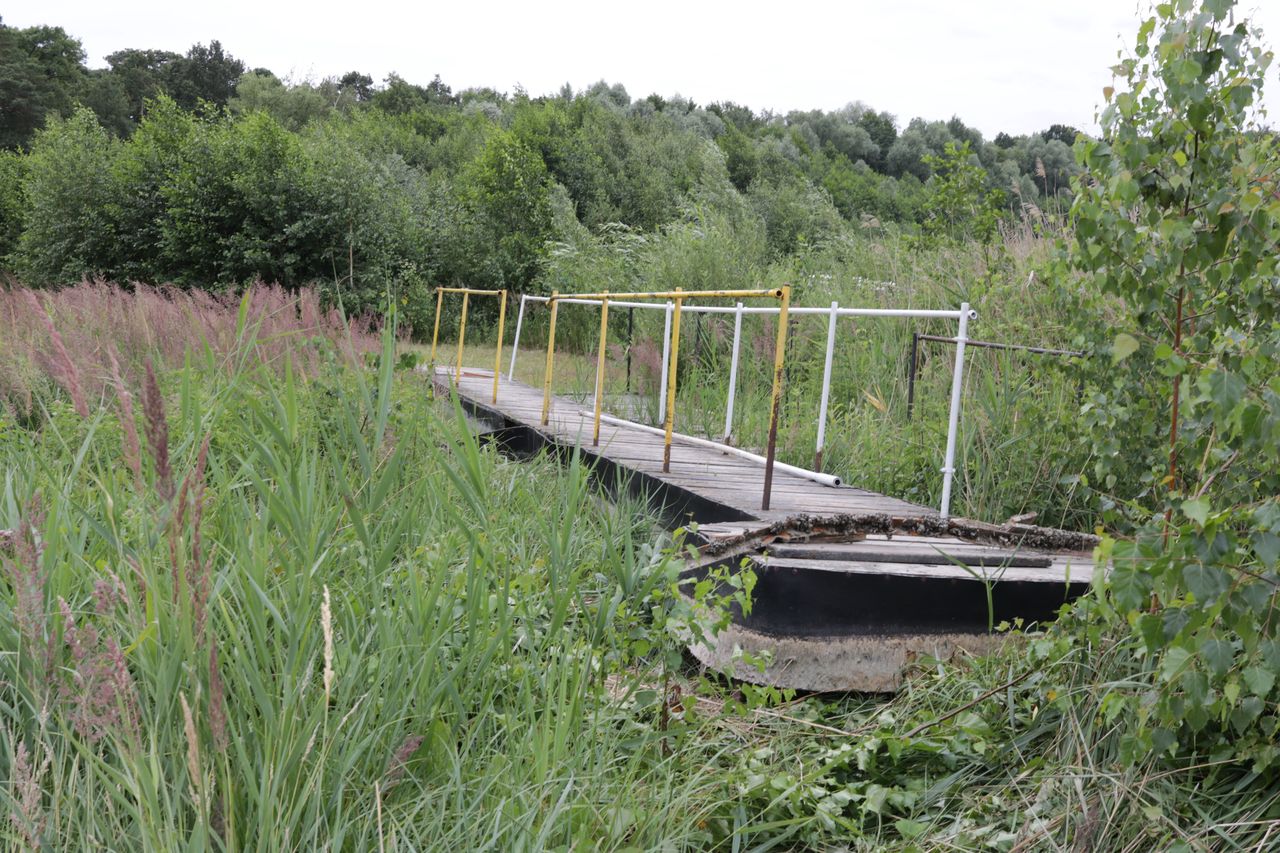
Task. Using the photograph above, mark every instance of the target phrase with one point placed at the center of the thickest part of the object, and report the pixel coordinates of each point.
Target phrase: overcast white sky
(1012, 65)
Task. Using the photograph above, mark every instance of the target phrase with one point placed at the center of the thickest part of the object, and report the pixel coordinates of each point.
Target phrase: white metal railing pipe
(826, 385)
(515, 343)
(733, 373)
(816, 476)
(920, 313)
(666, 363)
(953, 419)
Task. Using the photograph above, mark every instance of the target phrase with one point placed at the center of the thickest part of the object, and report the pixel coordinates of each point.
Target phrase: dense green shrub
(144, 169)
(12, 203)
(1178, 221)
(68, 193)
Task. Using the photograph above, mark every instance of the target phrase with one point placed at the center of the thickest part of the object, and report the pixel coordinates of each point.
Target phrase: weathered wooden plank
(716, 475)
(1056, 574)
(882, 552)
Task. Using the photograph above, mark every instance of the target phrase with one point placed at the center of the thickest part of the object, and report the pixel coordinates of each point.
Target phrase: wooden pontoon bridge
(852, 586)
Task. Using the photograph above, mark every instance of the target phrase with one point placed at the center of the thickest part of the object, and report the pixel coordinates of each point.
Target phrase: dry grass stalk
(217, 700)
(157, 433)
(27, 815)
(193, 751)
(326, 625)
(61, 367)
(377, 802)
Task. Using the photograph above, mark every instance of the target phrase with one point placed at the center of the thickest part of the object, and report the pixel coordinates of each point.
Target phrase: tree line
(194, 169)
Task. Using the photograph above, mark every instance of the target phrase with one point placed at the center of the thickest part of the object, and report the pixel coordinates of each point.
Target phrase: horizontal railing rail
(916, 338)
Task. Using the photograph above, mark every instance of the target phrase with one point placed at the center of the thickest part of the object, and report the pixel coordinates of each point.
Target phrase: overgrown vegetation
(251, 605)
(260, 591)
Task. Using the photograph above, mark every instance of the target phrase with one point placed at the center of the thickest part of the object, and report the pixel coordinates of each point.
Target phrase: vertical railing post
(911, 376)
(779, 357)
(604, 335)
(953, 419)
(631, 329)
(497, 356)
(515, 343)
(673, 369)
(551, 357)
(733, 374)
(826, 385)
(666, 367)
(462, 336)
(435, 337)
(697, 340)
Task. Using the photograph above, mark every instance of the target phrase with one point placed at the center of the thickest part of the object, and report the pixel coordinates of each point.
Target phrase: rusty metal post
(697, 341)
(631, 328)
(604, 336)
(779, 358)
(497, 357)
(671, 381)
(551, 356)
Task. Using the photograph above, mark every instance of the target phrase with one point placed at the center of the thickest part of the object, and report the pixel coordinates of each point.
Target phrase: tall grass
(103, 323)
(321, 615)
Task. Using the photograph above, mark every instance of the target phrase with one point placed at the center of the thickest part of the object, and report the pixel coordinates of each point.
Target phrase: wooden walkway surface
(713, 475)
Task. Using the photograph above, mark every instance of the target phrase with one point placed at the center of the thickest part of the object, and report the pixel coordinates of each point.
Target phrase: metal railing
(914, 361)
(670, 346)
(675, 307)
(467, 293)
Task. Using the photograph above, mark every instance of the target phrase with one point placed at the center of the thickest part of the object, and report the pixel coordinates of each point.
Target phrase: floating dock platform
(853, 587)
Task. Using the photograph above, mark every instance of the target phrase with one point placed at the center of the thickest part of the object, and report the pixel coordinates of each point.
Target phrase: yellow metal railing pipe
(604, 334)
(678, 297)
(671, 382)
(435, 334)
(678, 293)
(779, 357)
(551, 356)
(470, 290)
(467, 293)
(497, 356)
(462, 335)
